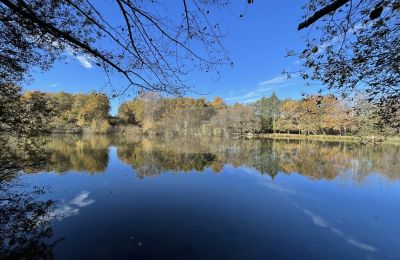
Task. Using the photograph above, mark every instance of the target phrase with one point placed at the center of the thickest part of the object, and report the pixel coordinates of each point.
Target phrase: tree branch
(69, 38)
(321, 13)
(128, 25)
(187, 18)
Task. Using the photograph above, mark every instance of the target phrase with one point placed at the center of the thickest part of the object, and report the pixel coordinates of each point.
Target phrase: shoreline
(278, 136)
(343, 138)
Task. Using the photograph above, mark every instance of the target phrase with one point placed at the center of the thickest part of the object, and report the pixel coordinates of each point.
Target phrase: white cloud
(277, 80)
(85, 61)
(264, 88)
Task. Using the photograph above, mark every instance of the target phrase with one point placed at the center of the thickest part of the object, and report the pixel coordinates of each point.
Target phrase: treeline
(151, 114)
(32, 113)
(189, 116)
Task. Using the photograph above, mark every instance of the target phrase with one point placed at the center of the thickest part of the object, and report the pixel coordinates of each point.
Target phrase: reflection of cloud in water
(82, 200)
(321, 222)
(71, 208)
(318, 220)
(361, 245)
(276, 186)
(64, 211)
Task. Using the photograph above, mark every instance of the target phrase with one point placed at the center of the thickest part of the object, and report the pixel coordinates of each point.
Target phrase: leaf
(376, 13)
(315, 49)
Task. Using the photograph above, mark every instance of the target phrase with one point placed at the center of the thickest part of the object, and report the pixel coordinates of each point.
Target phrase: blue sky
(257, 44)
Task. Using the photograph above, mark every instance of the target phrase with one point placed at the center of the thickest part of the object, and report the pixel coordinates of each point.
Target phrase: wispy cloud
(54, 85)
(350, 33)
(277, 80)
(84, 60)
(263, 88)
(361, 245)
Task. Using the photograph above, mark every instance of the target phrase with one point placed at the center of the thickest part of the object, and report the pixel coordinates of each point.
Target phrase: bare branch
(187, 18)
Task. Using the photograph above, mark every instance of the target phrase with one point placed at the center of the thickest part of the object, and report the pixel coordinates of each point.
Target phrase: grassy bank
(346, 138)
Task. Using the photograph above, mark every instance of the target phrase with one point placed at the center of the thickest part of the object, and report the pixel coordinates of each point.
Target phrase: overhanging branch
(321, 13)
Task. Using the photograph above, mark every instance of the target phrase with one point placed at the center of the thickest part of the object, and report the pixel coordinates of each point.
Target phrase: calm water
(131, 198)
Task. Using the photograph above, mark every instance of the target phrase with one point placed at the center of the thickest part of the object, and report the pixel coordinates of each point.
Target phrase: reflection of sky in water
(317, 220)
(321, 222)
(176, 203)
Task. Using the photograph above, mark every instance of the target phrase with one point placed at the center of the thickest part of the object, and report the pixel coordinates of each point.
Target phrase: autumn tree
(26, 114)
(336, 117)
(242, 119)
(79, 112)
(23, 116)
(353, 48)
(218, 103)
(289, 116)
(126, 113)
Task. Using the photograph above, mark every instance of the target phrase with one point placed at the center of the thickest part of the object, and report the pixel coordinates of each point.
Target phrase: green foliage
(268, 111)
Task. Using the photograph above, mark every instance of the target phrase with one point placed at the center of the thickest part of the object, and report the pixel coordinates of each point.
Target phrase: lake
(195, 198)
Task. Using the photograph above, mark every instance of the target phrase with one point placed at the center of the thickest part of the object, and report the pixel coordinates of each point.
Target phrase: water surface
(124, 197)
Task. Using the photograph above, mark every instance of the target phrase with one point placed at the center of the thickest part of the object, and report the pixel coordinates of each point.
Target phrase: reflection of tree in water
(25, 224)
(80, 154)
(149, 160)
(316, 160)
(75, 153)
(152, 157)
(21, 153)
(24, 217)
(267, 160)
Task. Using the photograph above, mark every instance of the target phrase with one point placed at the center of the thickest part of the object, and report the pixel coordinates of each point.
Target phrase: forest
(153, 114)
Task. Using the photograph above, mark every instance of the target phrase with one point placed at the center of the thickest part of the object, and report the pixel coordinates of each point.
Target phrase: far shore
(342, 138)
